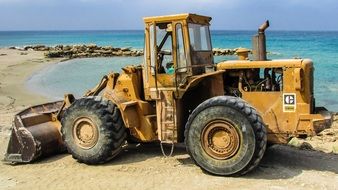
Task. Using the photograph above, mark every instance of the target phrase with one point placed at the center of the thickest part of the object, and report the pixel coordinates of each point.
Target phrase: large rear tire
(225, 136)
(93, 130)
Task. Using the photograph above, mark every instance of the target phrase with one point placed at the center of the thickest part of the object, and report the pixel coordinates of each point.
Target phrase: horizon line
(111, 30)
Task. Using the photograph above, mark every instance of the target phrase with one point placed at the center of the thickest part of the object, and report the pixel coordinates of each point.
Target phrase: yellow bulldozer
(225, 113)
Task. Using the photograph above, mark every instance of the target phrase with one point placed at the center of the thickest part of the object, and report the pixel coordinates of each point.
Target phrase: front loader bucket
(35, 134)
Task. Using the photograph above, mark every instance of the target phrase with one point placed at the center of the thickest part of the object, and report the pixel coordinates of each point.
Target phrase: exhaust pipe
(259, 43)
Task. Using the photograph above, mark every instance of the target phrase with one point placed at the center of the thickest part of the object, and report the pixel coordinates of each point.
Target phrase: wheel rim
(85, 133)
(220, 139)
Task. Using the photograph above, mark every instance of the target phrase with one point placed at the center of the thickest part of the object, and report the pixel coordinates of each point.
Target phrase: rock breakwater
(93, 50)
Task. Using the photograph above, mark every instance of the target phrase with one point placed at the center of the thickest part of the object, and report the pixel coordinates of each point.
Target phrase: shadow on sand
(283, 162)
(279, 162)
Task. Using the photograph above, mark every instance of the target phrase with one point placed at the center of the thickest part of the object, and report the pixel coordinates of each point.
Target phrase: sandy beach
(144, 167)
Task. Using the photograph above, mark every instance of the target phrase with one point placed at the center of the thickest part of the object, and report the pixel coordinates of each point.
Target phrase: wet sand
(143, 167)
(15, 67)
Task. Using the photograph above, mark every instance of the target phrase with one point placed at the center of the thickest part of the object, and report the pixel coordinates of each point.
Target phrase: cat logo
(289, 102)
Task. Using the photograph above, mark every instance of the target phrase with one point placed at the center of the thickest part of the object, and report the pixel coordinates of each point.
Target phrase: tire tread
(253, 117)
(112, 129)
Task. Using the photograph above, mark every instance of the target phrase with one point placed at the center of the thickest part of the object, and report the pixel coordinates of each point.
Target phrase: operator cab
(176, 47)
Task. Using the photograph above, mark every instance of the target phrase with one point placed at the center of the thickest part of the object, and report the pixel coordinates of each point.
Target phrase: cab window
(181, 58)
(199, 37)
(152, 55)
(164, 44)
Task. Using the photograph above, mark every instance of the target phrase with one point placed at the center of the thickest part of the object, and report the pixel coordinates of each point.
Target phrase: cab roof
(189, 17)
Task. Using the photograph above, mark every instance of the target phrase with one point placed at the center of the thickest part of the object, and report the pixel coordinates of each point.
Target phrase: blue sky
(127, 14)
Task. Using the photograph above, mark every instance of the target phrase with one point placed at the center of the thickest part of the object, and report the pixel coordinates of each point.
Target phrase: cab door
(162, 83)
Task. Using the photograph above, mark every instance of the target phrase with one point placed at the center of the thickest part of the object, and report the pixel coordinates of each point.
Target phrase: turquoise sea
(76, 76)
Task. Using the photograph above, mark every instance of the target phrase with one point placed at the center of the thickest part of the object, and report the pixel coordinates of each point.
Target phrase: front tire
(93, 130)
(225, 136)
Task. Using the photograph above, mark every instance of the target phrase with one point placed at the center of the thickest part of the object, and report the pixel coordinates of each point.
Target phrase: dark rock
(59, 47)
(40, 48)
(67, 48)
(82, 48)
(125, 49)
(116, 49)
(54, 54)
(27, 47)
